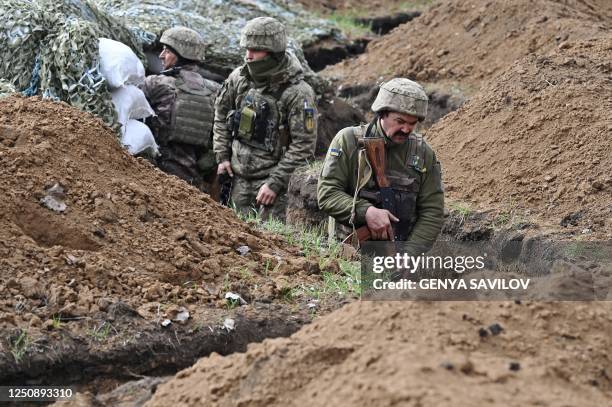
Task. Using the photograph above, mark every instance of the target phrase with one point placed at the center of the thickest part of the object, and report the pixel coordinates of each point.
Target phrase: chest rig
(404, 173)
(193, 111)
(260, 120)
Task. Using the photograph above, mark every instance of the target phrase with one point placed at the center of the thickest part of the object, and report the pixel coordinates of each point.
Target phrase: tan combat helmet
(187, 42)
(265, 34)
(402, 95)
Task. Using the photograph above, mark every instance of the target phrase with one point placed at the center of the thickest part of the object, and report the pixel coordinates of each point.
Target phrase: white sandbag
(119, 64)
(138, 139)
(131, 103)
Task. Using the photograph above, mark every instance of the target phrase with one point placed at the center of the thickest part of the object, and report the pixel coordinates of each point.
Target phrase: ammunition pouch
(259, 122)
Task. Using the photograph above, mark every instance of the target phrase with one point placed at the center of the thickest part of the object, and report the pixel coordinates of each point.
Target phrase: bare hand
(224, 167)
(379, 223)
(265, 196)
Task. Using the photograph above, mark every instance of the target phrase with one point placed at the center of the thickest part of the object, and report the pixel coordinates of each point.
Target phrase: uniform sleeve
(301, 108)
(335, 189)
(222, 138)
(161, 97)
(430, 205)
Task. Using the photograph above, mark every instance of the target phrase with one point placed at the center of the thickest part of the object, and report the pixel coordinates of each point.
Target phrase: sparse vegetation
(101, 332)
(346, 22)
(20, 345)
(57, 322)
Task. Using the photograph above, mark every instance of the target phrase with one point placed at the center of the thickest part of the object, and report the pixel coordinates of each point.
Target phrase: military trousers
(244, 194)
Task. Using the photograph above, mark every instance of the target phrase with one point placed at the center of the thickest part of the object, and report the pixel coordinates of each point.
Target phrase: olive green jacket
(253, 163)
(346, 171)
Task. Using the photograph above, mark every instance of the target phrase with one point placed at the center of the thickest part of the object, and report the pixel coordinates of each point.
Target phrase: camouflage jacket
(346, 172)
(184, 104)
(287, 106)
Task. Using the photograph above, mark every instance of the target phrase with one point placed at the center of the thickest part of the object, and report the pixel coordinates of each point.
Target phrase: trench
(147, 351)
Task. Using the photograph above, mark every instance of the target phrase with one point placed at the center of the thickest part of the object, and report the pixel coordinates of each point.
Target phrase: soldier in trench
(183, 101)
(265, 120)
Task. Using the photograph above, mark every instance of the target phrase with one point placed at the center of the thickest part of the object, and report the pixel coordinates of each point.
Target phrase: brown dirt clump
(130, 234)
(415, 354)
(537, 137)
(470, 41)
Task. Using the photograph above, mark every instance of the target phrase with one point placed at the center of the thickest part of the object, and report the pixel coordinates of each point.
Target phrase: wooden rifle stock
(375, 152)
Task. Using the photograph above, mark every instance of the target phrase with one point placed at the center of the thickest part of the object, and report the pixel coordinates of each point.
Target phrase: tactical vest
(406, 184)
(260, 121)
(193, 111)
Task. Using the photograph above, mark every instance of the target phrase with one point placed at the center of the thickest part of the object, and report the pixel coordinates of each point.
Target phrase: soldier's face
(398, 126)
(168, 58)
(255, 55)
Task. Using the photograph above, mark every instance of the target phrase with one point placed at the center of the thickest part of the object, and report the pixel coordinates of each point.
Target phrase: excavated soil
(417, 354)
(132, 241)
(467, 42)
(538, 137)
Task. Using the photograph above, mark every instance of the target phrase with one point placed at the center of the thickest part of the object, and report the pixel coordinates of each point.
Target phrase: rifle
(220, 188)
(375, 152)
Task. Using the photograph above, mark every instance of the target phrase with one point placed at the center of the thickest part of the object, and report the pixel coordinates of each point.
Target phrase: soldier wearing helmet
(347, 190)
(265, 120)
(184, 105)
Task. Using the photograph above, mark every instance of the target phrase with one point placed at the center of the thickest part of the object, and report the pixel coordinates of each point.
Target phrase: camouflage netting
(219, 22)
(50, 48)
(6, 88)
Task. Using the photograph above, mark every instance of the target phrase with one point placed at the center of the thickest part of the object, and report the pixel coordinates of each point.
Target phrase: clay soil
(133, 242)
(534, 139)
(417, 354)
(537, 137)
(468, 42)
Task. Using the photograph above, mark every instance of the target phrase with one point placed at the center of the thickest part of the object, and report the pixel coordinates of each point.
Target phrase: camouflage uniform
(347, 188)
(184, 104)
(265, 122)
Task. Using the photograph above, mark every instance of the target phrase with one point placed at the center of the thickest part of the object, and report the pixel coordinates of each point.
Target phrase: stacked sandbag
(124, 73)
(50, 48)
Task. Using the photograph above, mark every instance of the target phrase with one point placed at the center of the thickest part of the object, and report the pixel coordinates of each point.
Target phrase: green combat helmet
(186, 42)
(265, 34)
(403, 96)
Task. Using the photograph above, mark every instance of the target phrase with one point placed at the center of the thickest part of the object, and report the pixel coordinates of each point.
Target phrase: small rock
(179, 235)
(229, 324)
(312, 305)
(182, 316)
(166, 322)
(243, 250)
(495, 329)
(586, 231)
(448, 366)
(483, 333)
(515, 366)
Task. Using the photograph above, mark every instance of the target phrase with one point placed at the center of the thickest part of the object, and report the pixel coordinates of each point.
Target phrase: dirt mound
(417, 353)
(130, 234)
(468, 41)
(537, 137)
